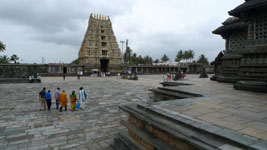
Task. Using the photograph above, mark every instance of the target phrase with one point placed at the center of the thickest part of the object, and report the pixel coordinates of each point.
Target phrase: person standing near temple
(78, 75)
(82, 97)
(63, 100)
(30, 79)
(42, 99)
(57, 97)
(73, 100)
(48, 98)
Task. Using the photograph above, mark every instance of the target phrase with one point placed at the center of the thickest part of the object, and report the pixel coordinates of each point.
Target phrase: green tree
(4, 59)
(14, 58)
(140, 60)
(179, 56)
(2, 46)
(148, 60)
(165, 58)
(156, 61)
(186, 55)
(203, 59)
(127, 55)
(191, 54)
(133, 59)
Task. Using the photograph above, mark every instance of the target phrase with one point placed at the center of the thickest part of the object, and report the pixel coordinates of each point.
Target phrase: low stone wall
(21, 70)
(25, 70)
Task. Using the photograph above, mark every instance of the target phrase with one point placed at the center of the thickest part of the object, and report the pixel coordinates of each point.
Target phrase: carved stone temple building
(245, 34)
(99, 49)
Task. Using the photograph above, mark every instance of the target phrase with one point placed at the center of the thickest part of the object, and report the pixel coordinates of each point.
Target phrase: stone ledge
(188, 129)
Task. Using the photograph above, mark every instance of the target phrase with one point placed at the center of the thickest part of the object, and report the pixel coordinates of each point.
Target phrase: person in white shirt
(82, 97)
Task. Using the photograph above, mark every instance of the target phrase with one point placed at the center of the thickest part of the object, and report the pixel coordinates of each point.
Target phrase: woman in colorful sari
(63, 100)
(73, 100)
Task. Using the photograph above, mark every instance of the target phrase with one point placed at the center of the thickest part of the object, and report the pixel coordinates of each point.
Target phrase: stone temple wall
(24, 70)
(245, 56)
(21, 70)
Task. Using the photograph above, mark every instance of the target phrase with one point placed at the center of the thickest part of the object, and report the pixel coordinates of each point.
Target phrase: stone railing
(256, 42)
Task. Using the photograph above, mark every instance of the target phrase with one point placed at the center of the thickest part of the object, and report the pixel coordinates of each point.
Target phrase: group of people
(173, 76)
(104, 74)
(31, 78)
(168, 77)
(61, 99)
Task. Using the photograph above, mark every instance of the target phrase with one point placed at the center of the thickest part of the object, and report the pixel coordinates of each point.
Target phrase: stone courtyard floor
(23, 126)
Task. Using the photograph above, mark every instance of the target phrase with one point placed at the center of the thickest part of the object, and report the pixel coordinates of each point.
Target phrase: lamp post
(122, 42)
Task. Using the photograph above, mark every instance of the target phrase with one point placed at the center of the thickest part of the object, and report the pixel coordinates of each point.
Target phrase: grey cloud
(49, 18)
(61, 24)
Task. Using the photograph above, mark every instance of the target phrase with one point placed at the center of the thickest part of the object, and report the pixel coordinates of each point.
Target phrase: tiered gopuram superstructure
(99, 48)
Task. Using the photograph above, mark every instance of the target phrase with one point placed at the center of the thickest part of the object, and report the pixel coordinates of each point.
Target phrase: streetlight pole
(122, 42)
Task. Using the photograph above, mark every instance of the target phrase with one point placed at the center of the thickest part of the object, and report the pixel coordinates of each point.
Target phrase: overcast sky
(54, 29)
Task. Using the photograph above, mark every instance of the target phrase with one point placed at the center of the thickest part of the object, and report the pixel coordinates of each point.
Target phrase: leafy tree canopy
(203, 59)
(165, 58)
(2, 46)
(127, 55)
(184, 55)
(4, 59)
(156, 61)
(14, 58)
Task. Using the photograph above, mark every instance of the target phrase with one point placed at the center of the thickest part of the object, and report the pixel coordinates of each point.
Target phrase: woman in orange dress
(73, 100)
(63, 100)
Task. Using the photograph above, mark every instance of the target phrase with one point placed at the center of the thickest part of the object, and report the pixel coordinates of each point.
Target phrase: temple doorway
(64, 70)
(104, 65)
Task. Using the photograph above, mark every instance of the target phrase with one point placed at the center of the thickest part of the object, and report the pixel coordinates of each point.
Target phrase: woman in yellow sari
(73, 100)
(63, 100)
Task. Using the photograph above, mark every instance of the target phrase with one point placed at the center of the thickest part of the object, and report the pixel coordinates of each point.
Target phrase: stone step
(173, 83)
(149, 124)
(174, 93)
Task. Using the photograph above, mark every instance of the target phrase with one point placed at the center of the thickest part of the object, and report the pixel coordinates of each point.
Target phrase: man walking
(48, 98)
(57, 97)
(42, 99)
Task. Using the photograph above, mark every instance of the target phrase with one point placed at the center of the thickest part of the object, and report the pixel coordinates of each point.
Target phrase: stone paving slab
(23, 126)
(241, 111)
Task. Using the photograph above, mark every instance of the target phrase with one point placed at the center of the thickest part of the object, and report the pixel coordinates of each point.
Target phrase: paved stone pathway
(23, 126)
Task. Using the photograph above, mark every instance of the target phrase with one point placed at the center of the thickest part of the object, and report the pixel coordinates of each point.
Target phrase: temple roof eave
(227, 28)
(248, 5)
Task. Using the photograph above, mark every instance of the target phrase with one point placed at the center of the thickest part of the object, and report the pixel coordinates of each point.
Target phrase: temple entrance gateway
(104, 48)
(64, 70)
(104, 65)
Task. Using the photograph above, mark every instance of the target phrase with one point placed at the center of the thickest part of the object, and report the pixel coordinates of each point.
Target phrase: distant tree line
(133, 59)
(184, 55)
(190, 55)
(4, 59)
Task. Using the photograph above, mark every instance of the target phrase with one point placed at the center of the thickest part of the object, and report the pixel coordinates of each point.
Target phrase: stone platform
(222, 118)
(23, 126)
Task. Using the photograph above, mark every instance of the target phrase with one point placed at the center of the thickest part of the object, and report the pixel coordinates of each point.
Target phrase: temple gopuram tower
(245, 34)
(99, 49)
